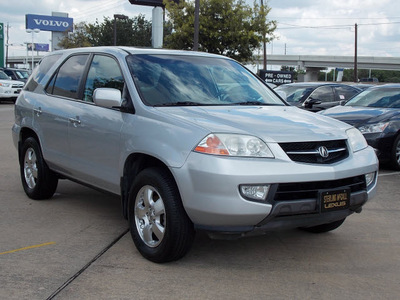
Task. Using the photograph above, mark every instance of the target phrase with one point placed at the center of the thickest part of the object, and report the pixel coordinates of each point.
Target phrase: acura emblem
(323, 151)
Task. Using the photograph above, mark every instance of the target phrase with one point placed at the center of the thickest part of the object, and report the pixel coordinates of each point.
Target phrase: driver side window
(324, 94)
(104, 72)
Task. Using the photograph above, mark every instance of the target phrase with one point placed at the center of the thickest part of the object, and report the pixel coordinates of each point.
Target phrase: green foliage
(130, 32)
(79, 38)
(227, 27)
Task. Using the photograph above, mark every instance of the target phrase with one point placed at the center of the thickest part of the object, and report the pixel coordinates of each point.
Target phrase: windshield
(295, 94)
(380, 97)
(3, 75)
(167, 80)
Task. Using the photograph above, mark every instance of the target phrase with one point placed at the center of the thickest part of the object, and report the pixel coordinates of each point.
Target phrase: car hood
(358, 115)
(271, 123)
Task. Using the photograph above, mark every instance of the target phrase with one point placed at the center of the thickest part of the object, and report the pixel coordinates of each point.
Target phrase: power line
(83, 14)
(336, 18)
(293, 26)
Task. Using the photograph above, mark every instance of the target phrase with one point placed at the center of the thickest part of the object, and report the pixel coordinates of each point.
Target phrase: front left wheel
(38, 181)
(159, 225)
(395, 154)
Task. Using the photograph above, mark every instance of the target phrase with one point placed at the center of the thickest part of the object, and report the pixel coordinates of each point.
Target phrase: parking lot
(76, 246)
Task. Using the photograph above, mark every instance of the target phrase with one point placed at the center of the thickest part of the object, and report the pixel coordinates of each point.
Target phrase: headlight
(234, 145)
(356, 139)
(5, 84)
(373, 128)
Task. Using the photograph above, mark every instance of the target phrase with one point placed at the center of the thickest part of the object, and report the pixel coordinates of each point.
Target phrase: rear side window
(40, 71)
(346, 92)
(66, 82)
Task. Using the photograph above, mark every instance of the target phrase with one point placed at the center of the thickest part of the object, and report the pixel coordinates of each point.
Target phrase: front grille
(309, 190)
(17, 85)
(308, 152)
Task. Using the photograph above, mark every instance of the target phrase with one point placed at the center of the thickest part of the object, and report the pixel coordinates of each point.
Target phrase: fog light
(254, 192)
(369, 178)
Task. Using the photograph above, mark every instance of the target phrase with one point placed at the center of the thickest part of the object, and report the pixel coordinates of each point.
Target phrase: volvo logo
(52, 23)
(323, 151)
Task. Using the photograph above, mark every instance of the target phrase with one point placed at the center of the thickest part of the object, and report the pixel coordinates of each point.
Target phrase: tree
(79, 38)
(227, 27)
(130, 32)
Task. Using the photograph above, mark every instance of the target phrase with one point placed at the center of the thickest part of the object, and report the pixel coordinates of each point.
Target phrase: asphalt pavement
(77, 246)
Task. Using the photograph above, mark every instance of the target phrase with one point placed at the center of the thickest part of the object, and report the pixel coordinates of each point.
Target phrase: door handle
(75, 121)
(38, 111)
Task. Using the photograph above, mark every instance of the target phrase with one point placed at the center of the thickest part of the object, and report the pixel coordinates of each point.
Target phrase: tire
(159, 225)
(38, 181)
(324, 227)
(395, 155)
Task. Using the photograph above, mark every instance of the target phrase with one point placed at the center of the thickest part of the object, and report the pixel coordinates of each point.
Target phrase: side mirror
(107, 97)
(310, 102)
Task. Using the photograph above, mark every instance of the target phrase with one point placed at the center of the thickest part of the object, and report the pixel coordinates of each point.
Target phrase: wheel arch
(134, 164)
(23, 135)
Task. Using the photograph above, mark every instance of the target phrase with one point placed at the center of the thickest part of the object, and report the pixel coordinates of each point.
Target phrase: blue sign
(38, 47)
(41, 47)
(49, 23)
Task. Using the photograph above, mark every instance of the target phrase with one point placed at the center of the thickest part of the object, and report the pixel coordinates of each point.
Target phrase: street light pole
(355, 54)
(32, 31)
(121, 17)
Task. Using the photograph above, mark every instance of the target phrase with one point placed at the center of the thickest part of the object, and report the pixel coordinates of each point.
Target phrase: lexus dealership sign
(49, 23)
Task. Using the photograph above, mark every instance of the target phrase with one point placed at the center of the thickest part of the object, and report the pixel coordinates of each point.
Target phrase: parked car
(316, 96)
(376, 113)
(17, 74)
(190, 141)
(9, 89)
(362, 86)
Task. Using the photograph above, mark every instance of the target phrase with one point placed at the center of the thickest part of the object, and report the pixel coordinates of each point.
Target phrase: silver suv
(190, 141)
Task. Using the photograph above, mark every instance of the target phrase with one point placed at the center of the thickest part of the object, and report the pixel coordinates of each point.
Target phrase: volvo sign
(49, 23)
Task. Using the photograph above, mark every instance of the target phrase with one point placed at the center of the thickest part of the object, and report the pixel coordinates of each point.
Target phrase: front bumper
(383, 144)
(209, 187)
(8, 92)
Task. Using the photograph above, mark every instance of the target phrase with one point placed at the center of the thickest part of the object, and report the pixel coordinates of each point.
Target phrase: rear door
(51, 110)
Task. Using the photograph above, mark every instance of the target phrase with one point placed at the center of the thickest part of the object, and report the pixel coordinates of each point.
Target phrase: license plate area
(332, 200)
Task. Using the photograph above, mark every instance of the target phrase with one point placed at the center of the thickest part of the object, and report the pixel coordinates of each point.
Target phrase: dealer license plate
(335, 200)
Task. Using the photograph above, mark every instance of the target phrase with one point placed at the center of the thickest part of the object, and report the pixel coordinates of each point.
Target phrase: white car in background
(9, 89)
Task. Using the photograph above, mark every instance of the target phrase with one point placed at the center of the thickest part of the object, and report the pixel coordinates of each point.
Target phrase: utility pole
(7, 46)
(355, 54)
(196, 25)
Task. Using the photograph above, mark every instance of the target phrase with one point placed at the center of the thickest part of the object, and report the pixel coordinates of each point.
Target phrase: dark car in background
(17, 74)
(376, 113)
(316, 96)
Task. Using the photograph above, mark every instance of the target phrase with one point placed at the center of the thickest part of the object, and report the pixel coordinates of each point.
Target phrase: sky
(305, 27)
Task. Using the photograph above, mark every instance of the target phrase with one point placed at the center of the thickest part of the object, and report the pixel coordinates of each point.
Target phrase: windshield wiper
(256, 103)
(181, 103)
